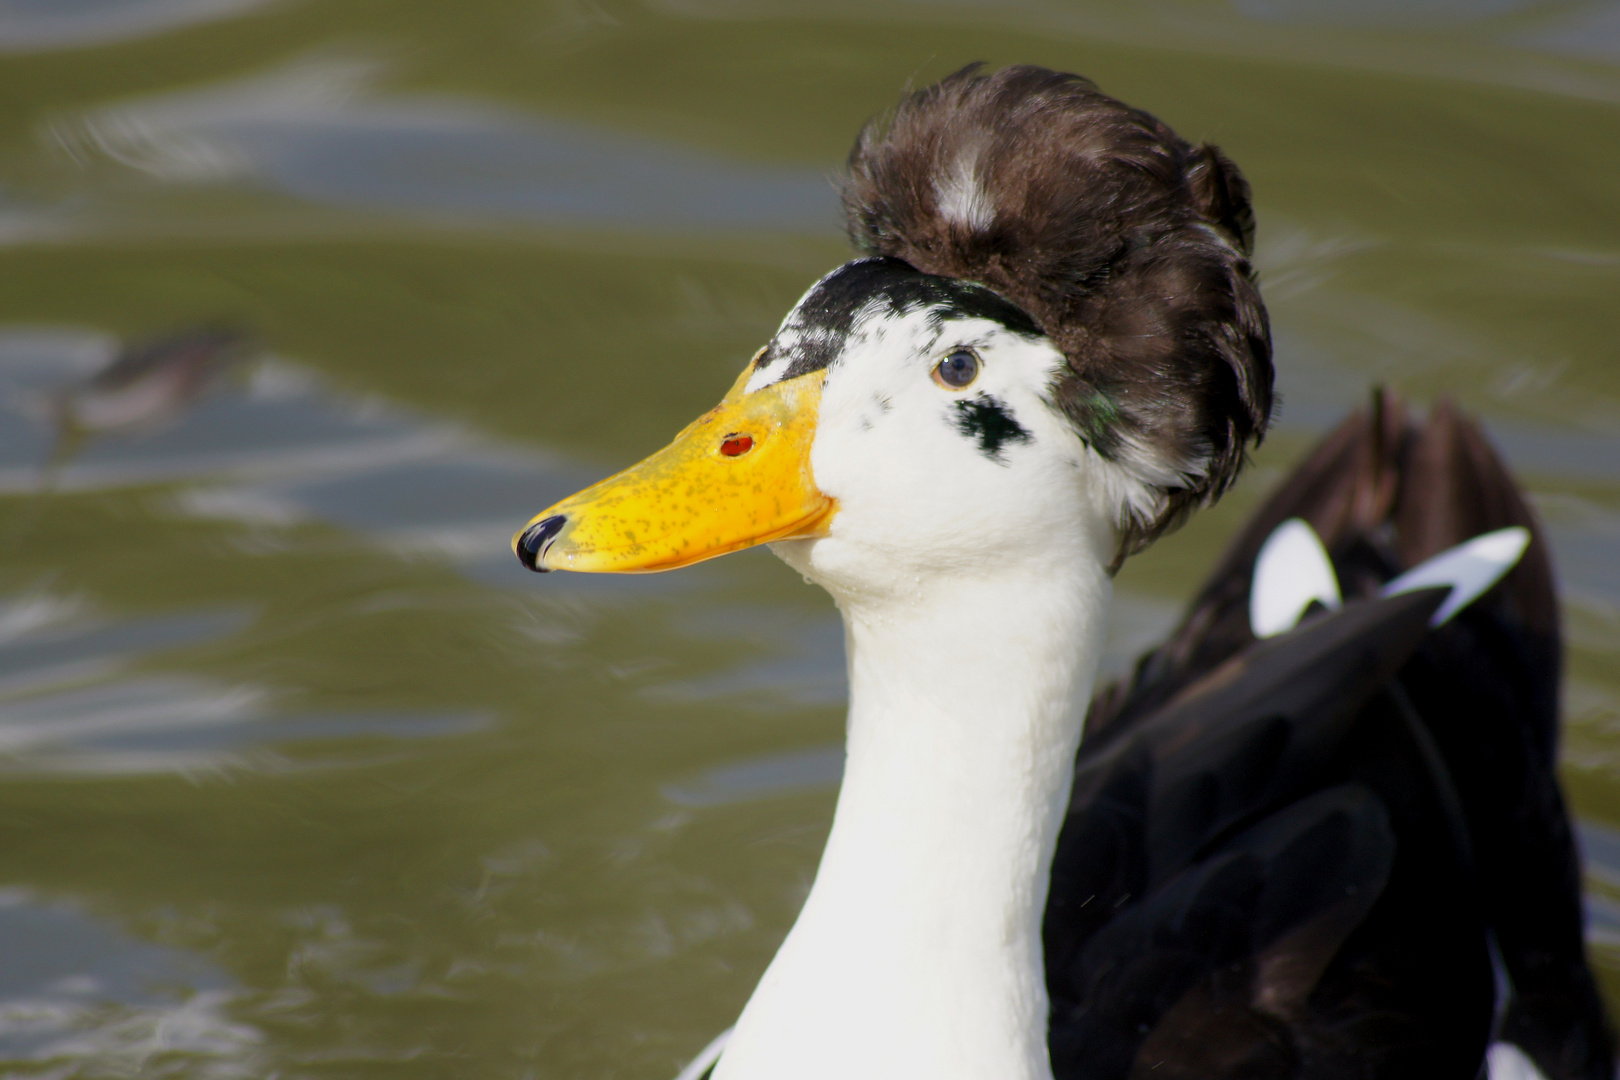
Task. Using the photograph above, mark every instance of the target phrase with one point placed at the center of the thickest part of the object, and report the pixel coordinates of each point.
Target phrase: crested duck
(1315, 834)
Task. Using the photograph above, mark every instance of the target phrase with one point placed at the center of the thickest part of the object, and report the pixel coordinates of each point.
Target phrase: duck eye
(957, 369)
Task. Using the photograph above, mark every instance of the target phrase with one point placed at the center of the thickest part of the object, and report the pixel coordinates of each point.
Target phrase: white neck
(918, 952)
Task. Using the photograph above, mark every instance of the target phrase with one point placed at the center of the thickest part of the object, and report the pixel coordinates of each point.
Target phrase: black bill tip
(531, 546)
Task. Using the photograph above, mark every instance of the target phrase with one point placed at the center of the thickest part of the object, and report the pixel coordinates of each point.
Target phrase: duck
(149, 382)
(1315, 833)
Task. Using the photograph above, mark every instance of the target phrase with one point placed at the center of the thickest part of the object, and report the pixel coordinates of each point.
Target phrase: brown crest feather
(1126, 244)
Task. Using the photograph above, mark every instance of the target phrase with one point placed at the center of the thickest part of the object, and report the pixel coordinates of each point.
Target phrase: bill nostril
(531, 546)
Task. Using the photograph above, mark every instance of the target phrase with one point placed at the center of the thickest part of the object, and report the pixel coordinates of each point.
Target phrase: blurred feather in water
(149, 382)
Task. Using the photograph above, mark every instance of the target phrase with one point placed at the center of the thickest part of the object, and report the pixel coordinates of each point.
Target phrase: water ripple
(318, 131)
(43, 25)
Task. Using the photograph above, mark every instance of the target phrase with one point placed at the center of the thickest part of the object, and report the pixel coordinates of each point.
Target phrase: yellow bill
(737, 476)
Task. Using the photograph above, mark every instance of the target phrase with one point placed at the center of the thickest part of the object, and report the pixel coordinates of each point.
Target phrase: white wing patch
(1291, 571)
(1469, 568)
(1504, 1061)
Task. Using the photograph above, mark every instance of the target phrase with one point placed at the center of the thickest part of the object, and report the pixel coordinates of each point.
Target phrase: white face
(939, 439)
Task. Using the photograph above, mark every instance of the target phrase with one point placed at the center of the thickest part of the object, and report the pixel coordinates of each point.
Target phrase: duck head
(897, 423)
(1054, 343)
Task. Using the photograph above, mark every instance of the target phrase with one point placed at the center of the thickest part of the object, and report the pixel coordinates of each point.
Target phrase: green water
(301, 774)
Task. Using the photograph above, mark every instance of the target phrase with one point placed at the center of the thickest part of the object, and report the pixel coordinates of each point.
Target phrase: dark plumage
(816, 332)
(1127, 245)
(989, 421)
(1289, 859)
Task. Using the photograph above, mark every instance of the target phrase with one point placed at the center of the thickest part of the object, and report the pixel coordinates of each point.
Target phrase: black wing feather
(1207, 878)
(1179, 944)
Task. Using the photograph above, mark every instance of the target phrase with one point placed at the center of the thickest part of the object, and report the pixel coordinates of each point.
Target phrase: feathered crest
(1126, 244)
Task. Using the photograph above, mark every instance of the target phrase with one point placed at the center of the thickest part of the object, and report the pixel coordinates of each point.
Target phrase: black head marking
(990, 421)
(819, 328)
